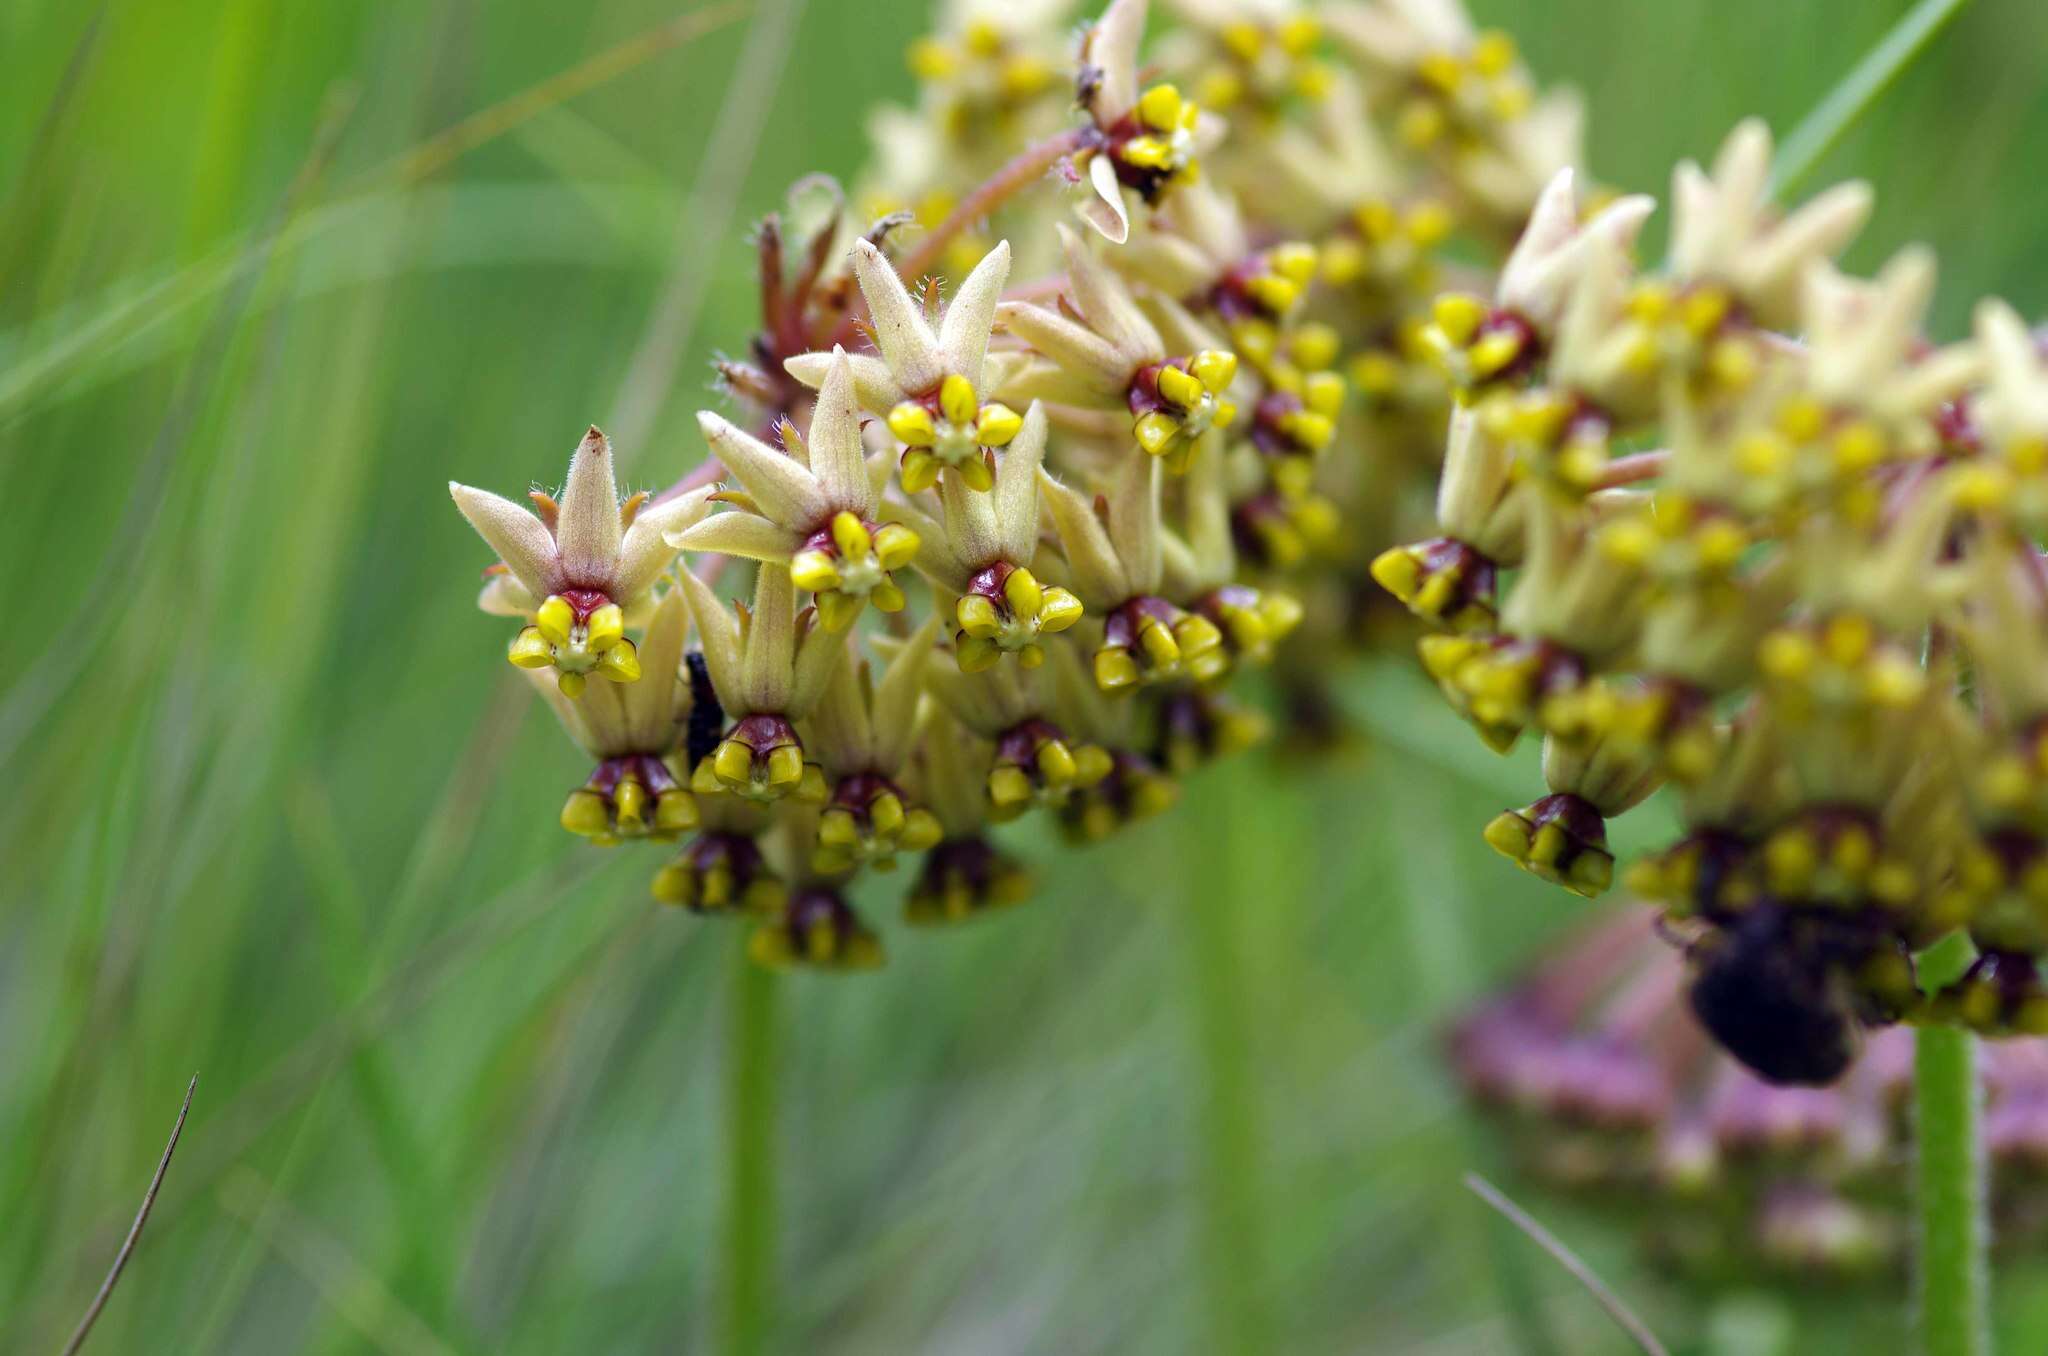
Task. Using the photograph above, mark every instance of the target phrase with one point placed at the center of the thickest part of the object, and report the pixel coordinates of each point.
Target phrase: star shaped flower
(632, 731)
(1147, 140)
(580, 568)
(767, 676)
(979, 556)
(810, 507)
(929, 385)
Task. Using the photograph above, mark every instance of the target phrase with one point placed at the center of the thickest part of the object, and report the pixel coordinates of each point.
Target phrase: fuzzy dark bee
(1771, 992)
(707, 717)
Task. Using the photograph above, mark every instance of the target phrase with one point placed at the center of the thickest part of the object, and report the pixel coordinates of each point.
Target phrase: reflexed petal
(650, 704)
(906, 342)
(896, 695)
(719, 634)
(521, 540)
(971, 523)
(587, 532)
(770, 646)
(1098, 575)
(1103, 208)
(810, 673)
(1134, 521)
(1016, 492)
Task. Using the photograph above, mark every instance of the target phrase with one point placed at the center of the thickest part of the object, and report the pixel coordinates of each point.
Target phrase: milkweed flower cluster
(1104, 395)
(1608, 1089)
(1736, 526)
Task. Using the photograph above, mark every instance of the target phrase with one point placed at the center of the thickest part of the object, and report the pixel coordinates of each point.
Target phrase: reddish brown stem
(1633, 469)
(1023, 169)
(706, 472)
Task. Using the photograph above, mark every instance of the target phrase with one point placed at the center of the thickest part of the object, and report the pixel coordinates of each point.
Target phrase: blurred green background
(275, 812)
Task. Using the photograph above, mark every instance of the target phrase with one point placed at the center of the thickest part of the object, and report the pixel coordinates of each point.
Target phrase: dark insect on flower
(707, 717)
(1774, 998)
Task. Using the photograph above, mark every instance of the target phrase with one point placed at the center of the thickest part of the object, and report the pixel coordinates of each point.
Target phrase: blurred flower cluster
(1103, 387)
(1608, 1090)
(1735, 525)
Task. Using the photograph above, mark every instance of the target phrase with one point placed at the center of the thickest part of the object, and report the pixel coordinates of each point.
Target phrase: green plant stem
(748, 1228)
(1220, 883)
(1953, 1280)
(1830, 120)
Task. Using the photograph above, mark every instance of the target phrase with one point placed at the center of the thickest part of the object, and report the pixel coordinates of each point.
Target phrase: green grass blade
(1823, 128)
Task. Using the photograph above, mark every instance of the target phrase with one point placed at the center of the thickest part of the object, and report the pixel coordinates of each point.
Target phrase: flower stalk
(752, 1149)
(1953, 1236)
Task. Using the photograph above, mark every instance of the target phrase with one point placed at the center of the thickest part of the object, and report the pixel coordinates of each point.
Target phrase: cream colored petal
(1941, 376)
(1768, 272)
(817, 659)
(587, 532)
(647, 548)
(907, 343)
(1538, 284)
(1077, 349)
(1043, 379)
(1168, 264)
(936, 559)
(739, 533)
(1016, 489)
(784, 488)
(608, 716)
(569, 711)
(650, 704)
(1099, 575)
(718, 632)
(837, 731)
(1692, 220)
(504, 596)
(1742, 168)
(1180, 331)
(1106, 302)
(769, 650)
(1552, 222)
(1205, 510)
(1085, 710)
(838, 460)
(521, 540)
(1209, 220)
(1102, 205)
(970, 523)
(894, 720)
(993, 700)
(873, 383)
(963, 333)
(1181, 575)
(2014, 362)
(1111, 48)
(1134, 521)
(1905, 286)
